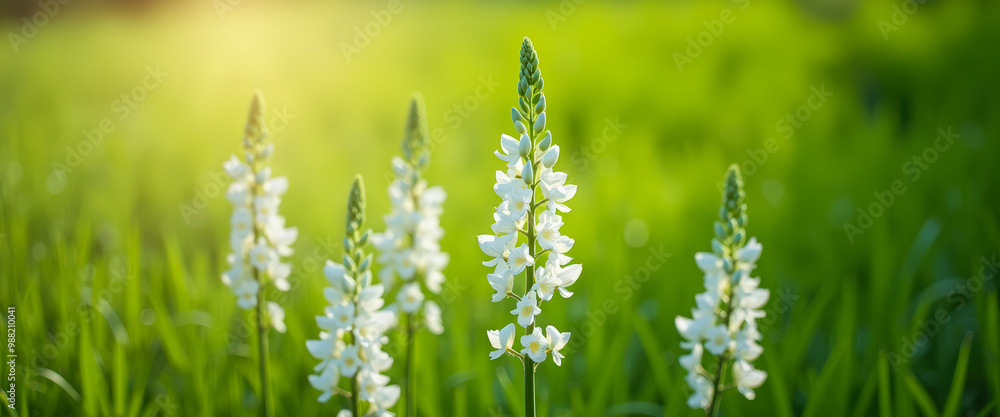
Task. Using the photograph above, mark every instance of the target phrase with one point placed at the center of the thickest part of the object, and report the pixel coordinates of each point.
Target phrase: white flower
(747, 378)
(247, 294)
(383, 399)
(566, 276)
(518, 201)
(432, 317)
(548, 234)
(371, 382)
(510, 154)
(338, 278)
(262, 256)
(535, 345)
(326, 382)
(242, 223)
(327, 349)
(349, 361)
(501, 280)
(556, 341)
(703, 391)
(526, 310)
(236, 169)
(372, 326)
(717, 339)
(496, 247)
(338, 317)
(692, 361)
(554, 188)
(519, 259)
(277, 316)
(501, 340)
(545, 283)
(410, 297)
(724, 317)
(239, 193)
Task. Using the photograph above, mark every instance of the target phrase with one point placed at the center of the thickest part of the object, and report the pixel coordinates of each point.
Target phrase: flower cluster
(259, 237)
(409, 248)
(530, 160)
(724, 321)
(350, 344)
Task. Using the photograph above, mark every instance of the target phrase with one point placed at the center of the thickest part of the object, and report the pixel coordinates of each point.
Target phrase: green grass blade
(884, 391)
(920, 394)
(954, 402)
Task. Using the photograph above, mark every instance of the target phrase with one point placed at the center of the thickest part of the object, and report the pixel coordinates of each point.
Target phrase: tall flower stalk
(529, 168)
(409, 252)
(724, 321)
(353, 325)
(259, 237)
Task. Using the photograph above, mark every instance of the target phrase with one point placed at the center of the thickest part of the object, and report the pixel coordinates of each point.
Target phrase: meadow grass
(121, 311)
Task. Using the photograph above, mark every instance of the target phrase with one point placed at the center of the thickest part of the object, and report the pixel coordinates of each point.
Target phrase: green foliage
(644, 142)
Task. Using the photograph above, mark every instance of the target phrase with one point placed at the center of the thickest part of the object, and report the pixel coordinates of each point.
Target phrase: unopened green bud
(349, 264)
(365, 263)
(545, 142)
(256, 128)
(550, 157)
(519, 127)
(417, 135)
(526, 174)
(523, 104)
(718, 248)
(524, 147)
(720, 231)
(515, 115)
(540, 122)
(540, 107)
(356, 205)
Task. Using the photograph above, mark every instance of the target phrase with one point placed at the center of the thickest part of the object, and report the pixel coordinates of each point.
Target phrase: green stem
(411, 371)
(529, 276)
(262, 348)
(713, 408)
(262, 345)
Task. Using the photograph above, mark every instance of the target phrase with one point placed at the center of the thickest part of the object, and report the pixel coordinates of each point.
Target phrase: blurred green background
(113, 258)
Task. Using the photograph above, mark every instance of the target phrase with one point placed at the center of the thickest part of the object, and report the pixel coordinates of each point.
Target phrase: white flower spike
(409, 251)
(354, 324)
(723, 322)
(530, 159)
(259, 238)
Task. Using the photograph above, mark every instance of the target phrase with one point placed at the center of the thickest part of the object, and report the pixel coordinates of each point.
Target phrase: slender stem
(529, 276)
(411, 370)
(355, 398)
(713, 407)
(262, 348)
